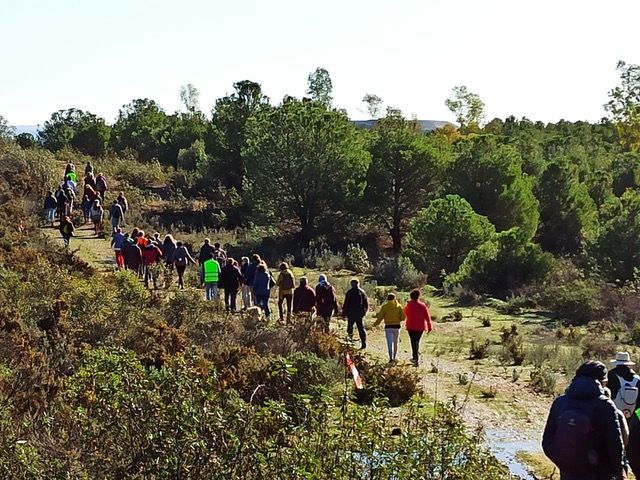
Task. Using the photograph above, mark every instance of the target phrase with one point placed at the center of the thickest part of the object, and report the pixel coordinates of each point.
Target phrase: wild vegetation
(100, 377)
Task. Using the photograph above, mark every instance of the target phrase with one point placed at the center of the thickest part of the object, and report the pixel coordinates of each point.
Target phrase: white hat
(622, 358)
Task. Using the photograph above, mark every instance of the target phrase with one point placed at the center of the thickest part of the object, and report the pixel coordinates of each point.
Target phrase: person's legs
(361, 331)
(396, 336)
(289, 299)
(281, 299)
(233, 295)
(388, 332)
(326, 322)
(147, 274)
(350, 322)
(227, 299)
(180, 270)
(51, 215)
(207, 291)
(246, 296)
(119, 259)
(415, 345)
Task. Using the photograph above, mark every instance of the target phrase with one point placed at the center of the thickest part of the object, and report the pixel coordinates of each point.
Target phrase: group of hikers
(60, 204)
(253, 281)
(593, 429)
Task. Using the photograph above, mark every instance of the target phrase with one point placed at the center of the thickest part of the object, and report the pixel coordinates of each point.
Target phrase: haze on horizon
(544, 60)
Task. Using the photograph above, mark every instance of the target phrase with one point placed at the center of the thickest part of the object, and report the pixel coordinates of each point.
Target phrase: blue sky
(542, 59)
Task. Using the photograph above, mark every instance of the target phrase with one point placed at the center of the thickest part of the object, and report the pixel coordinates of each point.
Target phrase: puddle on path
(505, 445)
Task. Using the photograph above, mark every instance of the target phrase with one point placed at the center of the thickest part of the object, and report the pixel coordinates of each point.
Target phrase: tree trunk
(396, 237)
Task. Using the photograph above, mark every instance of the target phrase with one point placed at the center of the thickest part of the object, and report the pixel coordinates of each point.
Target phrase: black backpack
(574, 441)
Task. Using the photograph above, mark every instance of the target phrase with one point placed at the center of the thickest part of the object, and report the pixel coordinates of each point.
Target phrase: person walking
(66, 230)
(354, 308)
(88, 169)
(124, 204)
(206, 250)
(304, 297)
(71, 198)
(116, 215)
(623, 383)
(151, 256)
(393, 315)
(247, 293)
(326, 301)
(132, 254)
(85, 206)
(117, 243)
(418, 321)
(180, 258)
(90, 180)
(101, 185)
(262, 285)
(582, 436)
(210, 277)
(50, 207)
(286, 282)
(220, 252)
(231, 280)
(96, 213)
(62, 200)
(250, 274)
(69, 168)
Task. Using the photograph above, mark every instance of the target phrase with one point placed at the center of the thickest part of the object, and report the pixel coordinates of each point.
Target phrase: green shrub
(543, 381)
(356, 259)
(513, 350)
(398, 271)
(577, 302)
(479, 350)
(501, 266)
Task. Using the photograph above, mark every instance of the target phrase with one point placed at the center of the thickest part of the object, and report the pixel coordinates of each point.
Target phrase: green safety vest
(211, 271)
(72, 176)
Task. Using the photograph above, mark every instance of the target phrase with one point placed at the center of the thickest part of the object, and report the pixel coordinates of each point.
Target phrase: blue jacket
(262, 283)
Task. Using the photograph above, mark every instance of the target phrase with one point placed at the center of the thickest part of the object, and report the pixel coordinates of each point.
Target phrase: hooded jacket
(326, 300)
(392, 313)
(608, 446)
(262, 283)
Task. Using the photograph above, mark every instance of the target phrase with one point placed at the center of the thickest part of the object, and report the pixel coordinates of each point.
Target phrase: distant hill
(32, 129)
(425, 125)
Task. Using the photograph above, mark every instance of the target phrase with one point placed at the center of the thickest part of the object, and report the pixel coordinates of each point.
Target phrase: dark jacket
(326, 300)
(132, 256)
(50, 202)
(230, 278)
(608, 440)
(168, 250)
(633, 447)
(355, 303)
(304, 299)
(205, 253)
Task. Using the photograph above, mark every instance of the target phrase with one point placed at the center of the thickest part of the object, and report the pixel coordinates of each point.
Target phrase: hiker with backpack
(418, 321)
(624, 383)
(326, 301)
(132, 255)
(85, 207)
(180, 258)
(62, 200)
(231, 280)
(286, 282)
(66, 230)
(304, 298)
(96, 213)
(582, 436)
(393, 315)
(115, 214)
(355, 307)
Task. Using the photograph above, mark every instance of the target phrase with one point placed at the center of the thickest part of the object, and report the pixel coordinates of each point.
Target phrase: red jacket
(418, 317)
(151, 254)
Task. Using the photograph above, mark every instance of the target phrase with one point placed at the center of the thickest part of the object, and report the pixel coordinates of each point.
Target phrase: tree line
(458, 201)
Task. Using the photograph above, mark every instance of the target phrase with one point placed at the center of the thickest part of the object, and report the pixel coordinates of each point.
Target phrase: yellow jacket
(391, 312)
